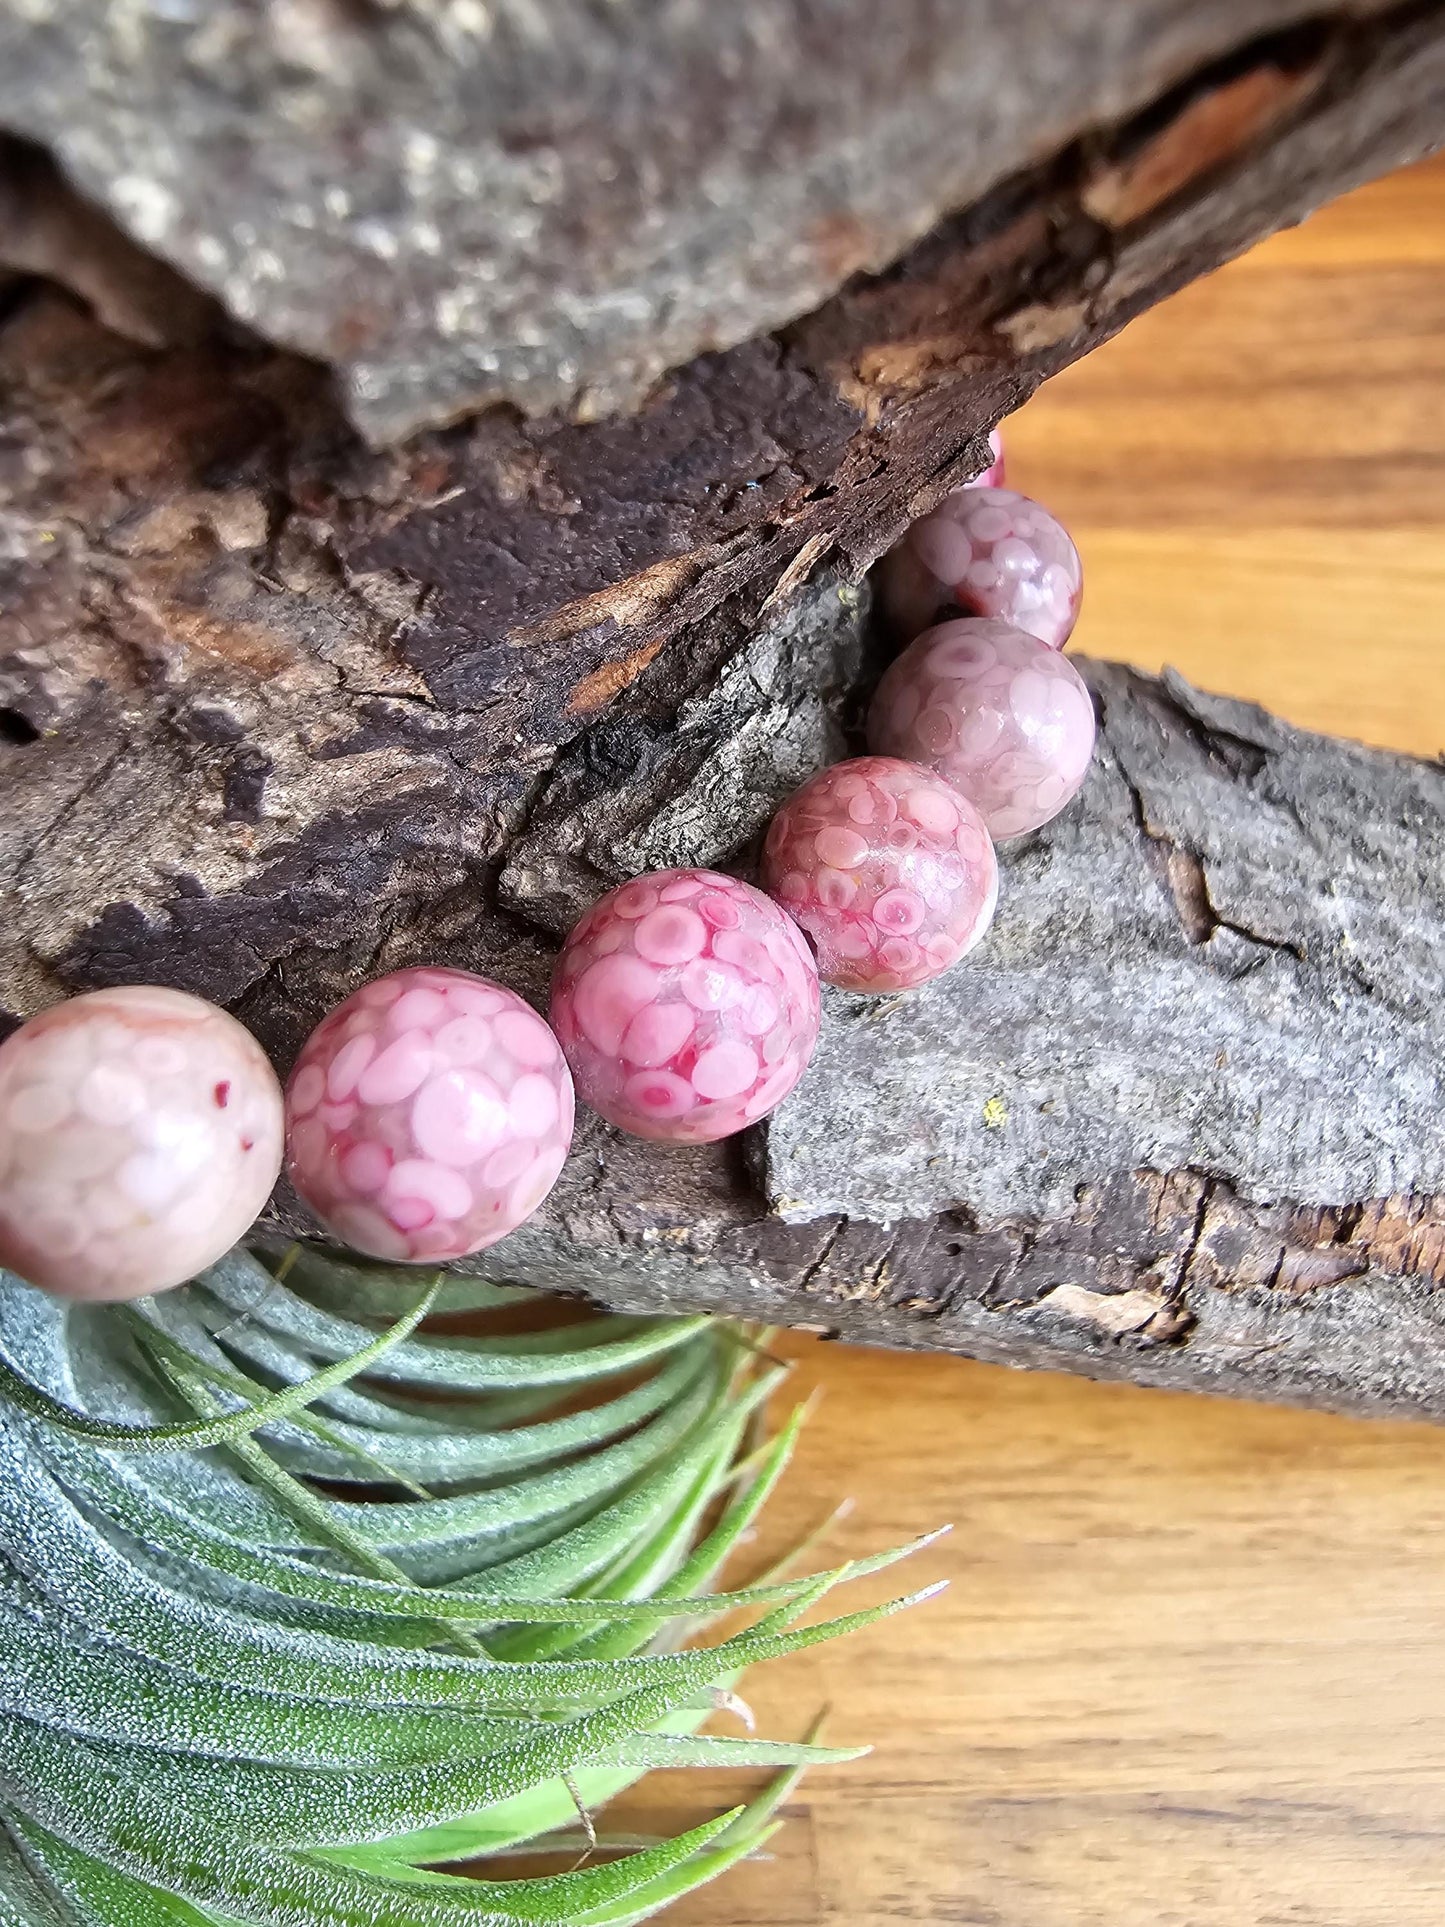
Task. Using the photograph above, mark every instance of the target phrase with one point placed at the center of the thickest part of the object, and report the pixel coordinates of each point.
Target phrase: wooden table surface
(1190, 1669)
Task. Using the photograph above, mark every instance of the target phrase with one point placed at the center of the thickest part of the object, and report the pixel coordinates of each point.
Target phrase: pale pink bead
(427, 1116)
(687, 1005)
(993, 553)
(1003, 717)
(140, 1136)
(889, 870)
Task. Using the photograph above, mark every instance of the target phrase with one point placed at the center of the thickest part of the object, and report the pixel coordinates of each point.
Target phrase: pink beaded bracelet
(141, 1130)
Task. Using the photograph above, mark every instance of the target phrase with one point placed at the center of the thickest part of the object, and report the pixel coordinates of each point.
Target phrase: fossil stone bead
(1002, 716)
(140, 1136)
(427, 1116)
(687, 1005)
(993, 553)
(888, 869)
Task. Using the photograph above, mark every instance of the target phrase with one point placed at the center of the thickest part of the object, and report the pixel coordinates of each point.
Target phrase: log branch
(555, 205)
(1179, 1121)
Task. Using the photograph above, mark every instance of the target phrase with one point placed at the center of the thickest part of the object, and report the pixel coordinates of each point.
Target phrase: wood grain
(1190, 1670)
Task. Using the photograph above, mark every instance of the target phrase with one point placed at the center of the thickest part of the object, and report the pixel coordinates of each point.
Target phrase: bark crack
(817, 1265)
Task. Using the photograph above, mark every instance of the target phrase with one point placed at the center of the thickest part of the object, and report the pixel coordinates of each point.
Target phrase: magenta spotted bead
(427, 1116)
(687, 1004)
(140, 1136)
(990, 552)
(889, 870)
(997, 713)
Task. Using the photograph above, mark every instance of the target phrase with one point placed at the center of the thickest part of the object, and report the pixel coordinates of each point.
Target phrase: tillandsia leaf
(660, 1892)
(363, 1288)
(576, 1556)
(538, 1814)
(570, 1355)
(264, 1804)
(79, 1794)
(698, 1568)
(364, 1451)
(238, 1299)
(194, 1435)
(749, 1831)
(540, 1495)
(644, 1567)
(503, 1827)
(225, 1694)
(303, 1440)
(95, 1895)
(209, 1551)
(87, 1582)
(304, 1506)
(86, 1689)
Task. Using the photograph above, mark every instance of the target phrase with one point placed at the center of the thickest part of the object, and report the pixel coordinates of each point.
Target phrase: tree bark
(285, 699)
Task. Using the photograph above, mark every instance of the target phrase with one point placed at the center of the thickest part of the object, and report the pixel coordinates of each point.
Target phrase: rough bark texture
(279, 707)
(457, 204)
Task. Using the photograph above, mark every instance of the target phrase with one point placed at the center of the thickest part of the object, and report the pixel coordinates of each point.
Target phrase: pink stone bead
(889, 870)
(687, 1004)
(140, 1136)
(427, 1116)
(1002, 716)
(993, 553)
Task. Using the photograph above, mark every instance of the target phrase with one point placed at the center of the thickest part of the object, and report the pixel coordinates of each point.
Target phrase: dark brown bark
(278, 707)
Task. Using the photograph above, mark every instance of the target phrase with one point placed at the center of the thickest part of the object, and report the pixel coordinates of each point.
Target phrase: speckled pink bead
(140, 1136)
(427, 1116)
(993, 553)
(889, 870)
(687, 1004)
(1000, 715)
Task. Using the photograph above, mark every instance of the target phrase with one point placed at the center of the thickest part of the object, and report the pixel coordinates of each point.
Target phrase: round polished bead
(687, 1004)
(990, 552)
(140, 1136)
(1003, 717)
(889, 870)
(427, 1116)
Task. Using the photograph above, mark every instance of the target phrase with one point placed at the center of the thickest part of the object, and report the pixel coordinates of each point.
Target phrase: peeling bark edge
(1245, 1304)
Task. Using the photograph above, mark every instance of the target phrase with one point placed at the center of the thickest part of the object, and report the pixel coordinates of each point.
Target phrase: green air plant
(301, 1606)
